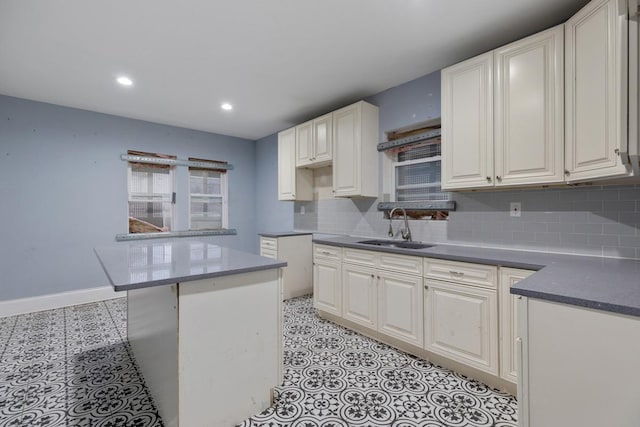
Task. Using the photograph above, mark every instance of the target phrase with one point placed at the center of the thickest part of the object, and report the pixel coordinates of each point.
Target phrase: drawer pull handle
(325, 252)
(456, 273)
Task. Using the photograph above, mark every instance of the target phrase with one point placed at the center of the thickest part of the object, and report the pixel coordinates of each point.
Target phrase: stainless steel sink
(395, 244)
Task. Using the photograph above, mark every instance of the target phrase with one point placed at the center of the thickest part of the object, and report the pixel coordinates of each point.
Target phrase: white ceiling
(279, 62)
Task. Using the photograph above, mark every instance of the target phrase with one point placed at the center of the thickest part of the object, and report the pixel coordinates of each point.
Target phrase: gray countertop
(283, 233)
(607, 284)
(144, 263)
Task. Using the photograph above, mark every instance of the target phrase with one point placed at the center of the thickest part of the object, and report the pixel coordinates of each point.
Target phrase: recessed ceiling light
(124, 81)
(226, 106)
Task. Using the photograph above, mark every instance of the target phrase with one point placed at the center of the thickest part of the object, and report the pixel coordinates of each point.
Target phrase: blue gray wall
(63, 190)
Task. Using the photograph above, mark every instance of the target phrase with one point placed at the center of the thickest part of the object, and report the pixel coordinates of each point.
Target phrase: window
(151, 196)
(416, 172)
(207, 197)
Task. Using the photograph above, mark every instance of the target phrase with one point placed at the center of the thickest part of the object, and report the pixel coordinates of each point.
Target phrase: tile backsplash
(590, 220)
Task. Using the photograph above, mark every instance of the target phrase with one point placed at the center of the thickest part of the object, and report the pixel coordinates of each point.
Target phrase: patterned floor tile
(335, 377)
(72, 367)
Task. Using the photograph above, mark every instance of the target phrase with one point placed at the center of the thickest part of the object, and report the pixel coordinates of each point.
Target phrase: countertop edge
(191, 278)
(579, 302)
(277, 234)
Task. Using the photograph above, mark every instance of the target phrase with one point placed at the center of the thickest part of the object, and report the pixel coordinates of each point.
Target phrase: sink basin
(396, 244)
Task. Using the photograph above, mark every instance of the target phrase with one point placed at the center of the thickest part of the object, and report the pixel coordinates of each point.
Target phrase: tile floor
(73, 367)
(335, 377)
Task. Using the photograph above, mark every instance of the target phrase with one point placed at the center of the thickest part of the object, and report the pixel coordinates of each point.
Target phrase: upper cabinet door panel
(596, 91)
(322, 137)
(286, 165)
(304, 144)
(346, 164)
(467, 124)
(529, 110)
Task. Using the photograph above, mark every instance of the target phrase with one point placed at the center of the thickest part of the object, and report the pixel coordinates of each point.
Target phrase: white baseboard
(51, 301)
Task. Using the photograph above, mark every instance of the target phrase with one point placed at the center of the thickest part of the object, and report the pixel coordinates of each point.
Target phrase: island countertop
(143, 264)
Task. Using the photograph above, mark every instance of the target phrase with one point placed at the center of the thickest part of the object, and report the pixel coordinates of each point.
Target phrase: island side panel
(583, 366)
(297, 276)
(152, 329)
(229, 345)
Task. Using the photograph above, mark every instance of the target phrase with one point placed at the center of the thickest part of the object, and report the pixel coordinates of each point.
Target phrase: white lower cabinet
(579, 366)
(382, 292)
(460, 311)
(360, 296)
(400, 307)
(296, 251)
(461, 322)
(509, 323)
(326, 288)
(327, 285)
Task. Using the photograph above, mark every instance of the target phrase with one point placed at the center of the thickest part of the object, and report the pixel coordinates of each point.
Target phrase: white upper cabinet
(597, 58)
(293, 184)
(467, 124)
(304, 143)
(503, 116)
(529, 110)
(355, 156)
(323, 139)
(314, 142)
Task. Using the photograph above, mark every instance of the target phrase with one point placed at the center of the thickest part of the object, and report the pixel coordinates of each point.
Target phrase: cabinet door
(467, 124)
(359, 295)
(304, 144)
(287, 164)
(509, 322)
(293, 183)
(400, 307)
(322, 138)
(529, 110)
(327, 287)
(461, 322)
(346, 159)
(596, 91)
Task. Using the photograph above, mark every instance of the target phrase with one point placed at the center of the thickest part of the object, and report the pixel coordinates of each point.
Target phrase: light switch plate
(515, 209)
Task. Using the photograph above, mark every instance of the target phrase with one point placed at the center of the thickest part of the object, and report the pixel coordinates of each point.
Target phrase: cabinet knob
(378, 277)
(617, 151)
(498, 178)
(372, 276)
(488, 179)
(566, 172)
(426, 288)
(293, 195)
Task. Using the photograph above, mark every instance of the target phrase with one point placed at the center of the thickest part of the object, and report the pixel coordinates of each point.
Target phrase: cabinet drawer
(401, 263)
(461, 272)
(356, 256)
(269, 253)
(269, 243)
(327, 252)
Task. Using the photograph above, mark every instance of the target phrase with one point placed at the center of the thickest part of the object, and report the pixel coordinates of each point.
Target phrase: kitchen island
(204, 325)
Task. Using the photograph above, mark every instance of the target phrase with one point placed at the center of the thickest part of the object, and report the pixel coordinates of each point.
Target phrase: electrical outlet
(515, 209)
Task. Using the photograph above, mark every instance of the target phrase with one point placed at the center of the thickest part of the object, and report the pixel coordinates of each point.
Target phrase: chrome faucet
(406, 233)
